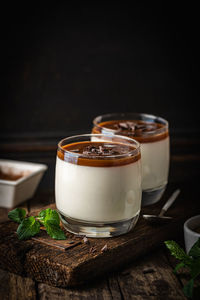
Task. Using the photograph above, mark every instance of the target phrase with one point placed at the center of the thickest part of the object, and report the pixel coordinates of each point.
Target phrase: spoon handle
(169, 202)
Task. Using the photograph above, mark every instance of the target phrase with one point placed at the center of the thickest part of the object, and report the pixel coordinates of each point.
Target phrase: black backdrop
(62, 65)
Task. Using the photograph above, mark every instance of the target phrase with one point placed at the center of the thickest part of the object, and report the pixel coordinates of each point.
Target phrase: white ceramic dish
(190, 235)
(15, 192)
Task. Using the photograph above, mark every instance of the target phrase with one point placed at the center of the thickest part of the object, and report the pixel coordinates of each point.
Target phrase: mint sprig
(191, 261)
(17, 215)
(51, 221)
(30, 226)
(178, 252)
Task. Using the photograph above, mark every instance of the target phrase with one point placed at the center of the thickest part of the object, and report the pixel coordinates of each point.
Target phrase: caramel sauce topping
(99, 154)
(142, 131)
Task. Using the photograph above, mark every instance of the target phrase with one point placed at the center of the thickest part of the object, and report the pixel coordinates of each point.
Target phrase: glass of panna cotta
(98, 184)
(153, 135)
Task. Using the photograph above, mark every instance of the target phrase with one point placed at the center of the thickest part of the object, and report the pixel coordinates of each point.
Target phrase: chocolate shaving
(91, 150)
(100, 150)
(132, 128)
(145, 127)
(116, 126)
(123, 125)
(92, 249)
(105, 248)
(148, 270)
(140, 126)
(128, 125)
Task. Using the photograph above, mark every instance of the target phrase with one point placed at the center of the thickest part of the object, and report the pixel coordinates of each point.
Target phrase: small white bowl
(190, 235)
(14, 192)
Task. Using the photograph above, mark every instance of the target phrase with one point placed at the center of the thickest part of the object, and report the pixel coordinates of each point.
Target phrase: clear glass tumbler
(153, 135)
(98, 184)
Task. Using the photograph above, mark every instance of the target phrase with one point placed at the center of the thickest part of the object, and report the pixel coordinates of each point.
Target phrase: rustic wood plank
(15, 287)
(150, 278)
(99, 291)
(77, 265)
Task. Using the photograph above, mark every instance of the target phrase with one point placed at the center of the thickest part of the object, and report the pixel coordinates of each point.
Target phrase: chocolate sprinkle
(131, 128)
(103, 150)
(71, 242)
(92, 249)
(123, 125)
(148, 270)
(105, 248)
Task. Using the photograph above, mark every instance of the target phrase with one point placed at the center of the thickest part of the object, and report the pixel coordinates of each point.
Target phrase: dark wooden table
(149, 277)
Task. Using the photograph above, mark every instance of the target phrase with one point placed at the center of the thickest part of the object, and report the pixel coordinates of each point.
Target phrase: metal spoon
(161, 218)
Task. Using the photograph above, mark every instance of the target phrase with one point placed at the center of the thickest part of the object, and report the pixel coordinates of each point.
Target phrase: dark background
(65, 64)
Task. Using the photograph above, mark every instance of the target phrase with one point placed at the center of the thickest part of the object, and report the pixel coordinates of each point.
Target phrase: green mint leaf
(52, 224)
(195, 250)
(28, 228)
(43, 213)
(50, 215)
(178, 266)
(195, 268)
(188, 288)
(54, 230)
(17, 215)
(178, 252)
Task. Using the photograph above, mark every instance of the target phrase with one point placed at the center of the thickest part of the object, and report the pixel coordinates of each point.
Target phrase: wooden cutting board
(73, 262)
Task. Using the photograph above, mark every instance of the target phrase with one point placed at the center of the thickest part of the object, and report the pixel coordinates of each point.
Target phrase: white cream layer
(155, 164)
(98, 194)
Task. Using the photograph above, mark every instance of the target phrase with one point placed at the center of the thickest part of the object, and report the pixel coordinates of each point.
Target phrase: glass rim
(133, 142)
(131, 114)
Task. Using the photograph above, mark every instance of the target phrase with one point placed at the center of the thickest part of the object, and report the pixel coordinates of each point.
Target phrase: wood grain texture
(15, 287)
(151, 278)
(77, 265)
(97, 291)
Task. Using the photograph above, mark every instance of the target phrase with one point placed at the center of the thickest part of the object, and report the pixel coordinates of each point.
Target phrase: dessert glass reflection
(98, 184)
(153, 135)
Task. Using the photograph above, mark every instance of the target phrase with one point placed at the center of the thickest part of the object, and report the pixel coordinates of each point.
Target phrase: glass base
(98, 230)
(152, 196)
